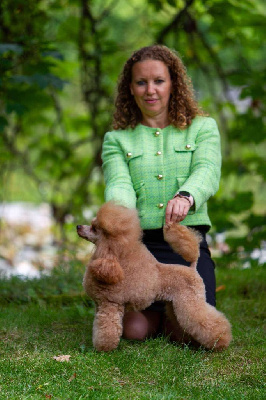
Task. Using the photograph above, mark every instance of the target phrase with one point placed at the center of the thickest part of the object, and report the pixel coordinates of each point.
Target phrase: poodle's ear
(107, 270)
(115, 219)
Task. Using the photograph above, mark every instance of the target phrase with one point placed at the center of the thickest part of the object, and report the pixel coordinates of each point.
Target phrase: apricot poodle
(124, 275)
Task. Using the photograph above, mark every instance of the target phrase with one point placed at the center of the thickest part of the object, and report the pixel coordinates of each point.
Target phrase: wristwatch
(186, 195)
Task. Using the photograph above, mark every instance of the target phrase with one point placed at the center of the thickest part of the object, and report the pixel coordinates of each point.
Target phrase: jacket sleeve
(119, 187)
(204, 178)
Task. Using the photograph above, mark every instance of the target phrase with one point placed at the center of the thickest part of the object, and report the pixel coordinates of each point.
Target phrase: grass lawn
(33, 332)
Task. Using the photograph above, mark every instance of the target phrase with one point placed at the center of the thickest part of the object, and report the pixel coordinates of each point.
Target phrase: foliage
(59, 65)
(62, 286)
(32, 335)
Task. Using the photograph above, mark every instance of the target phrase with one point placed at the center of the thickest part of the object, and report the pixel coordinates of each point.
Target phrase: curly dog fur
(124, 275)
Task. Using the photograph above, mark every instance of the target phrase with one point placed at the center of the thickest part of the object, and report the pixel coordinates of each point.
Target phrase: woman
(162, 157)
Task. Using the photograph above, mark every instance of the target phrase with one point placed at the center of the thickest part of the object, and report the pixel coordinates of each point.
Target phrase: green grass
(32, 333)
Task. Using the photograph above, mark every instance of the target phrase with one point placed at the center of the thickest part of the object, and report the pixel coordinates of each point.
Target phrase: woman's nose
(150, 88)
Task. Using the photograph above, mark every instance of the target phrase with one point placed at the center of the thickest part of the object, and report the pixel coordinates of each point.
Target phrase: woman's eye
(141, 83)
(158, 81)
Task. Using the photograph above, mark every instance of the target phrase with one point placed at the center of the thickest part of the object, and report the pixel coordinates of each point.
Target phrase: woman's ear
(131, 90)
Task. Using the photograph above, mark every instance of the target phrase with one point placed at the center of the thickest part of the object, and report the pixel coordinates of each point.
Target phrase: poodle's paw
(222, 342)
(104, 341)
(216, 334)
(105, 347)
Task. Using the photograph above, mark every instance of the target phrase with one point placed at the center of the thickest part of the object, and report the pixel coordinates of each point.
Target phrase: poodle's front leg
(107, 326)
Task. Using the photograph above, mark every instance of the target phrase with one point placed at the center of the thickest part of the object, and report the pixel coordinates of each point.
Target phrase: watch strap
(189, 198)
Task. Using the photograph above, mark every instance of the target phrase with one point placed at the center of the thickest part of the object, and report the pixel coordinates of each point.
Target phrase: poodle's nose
(78, 226)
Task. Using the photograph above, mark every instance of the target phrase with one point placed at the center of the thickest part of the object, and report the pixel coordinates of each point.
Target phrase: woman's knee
(135, 326)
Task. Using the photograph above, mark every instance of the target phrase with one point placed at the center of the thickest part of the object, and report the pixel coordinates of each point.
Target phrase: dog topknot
(117, 220)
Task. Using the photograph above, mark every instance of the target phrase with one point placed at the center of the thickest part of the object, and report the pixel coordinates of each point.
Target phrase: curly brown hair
(183, 106)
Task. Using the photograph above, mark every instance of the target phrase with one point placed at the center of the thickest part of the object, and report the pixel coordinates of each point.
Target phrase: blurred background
(60, 61)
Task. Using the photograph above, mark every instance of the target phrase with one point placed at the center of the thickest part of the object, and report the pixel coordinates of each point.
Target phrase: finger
(168, 212)
(180, 217)
(179, 212)
(176, 210)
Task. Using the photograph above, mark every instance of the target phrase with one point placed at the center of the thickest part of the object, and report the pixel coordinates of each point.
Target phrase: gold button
(160, 205)
(160, 176)
(129, 155)
(157, 133)
(188, 146)
(158, 153)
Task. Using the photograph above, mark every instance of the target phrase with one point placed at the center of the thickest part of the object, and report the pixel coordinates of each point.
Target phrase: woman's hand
(177, 209)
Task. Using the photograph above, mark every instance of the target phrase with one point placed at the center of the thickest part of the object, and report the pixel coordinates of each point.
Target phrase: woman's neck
(154, 122)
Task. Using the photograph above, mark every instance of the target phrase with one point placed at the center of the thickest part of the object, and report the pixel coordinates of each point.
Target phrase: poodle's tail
(184, 241)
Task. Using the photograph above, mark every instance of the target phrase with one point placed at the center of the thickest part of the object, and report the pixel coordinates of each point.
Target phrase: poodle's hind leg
(173, 329)
(107, 326)
(204, 323)
(184, 287)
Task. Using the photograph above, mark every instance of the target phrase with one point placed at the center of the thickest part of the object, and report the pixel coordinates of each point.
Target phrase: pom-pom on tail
(184, 241)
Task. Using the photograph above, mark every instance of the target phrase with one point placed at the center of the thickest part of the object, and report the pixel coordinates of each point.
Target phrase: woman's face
(151, 87)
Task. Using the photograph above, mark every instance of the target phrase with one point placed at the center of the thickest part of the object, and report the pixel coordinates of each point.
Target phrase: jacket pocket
(134, 160)
(132, 155)
(184, 154)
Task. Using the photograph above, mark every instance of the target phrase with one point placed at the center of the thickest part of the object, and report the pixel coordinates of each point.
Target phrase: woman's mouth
(150, 101)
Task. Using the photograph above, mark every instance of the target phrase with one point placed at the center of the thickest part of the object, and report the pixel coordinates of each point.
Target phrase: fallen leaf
(62, 358)
(219, 288)
(122, 383)
(72, 377)
(41, 386)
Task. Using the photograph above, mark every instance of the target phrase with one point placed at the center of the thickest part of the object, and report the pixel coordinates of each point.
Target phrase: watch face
(183, 193)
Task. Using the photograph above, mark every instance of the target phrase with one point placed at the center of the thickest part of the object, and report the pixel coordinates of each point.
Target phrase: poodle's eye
(93, 228)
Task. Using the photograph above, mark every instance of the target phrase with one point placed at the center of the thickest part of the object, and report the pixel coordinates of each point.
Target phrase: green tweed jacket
(145, 167)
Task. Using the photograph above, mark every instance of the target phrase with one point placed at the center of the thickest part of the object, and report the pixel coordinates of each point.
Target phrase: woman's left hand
(177, 209)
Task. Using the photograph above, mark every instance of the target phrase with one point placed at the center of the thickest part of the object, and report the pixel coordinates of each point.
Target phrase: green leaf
(9, 47)
(247, 128)
(18, 108)
(255, 221)
(44, 81)
(53, 53)
(3, 123)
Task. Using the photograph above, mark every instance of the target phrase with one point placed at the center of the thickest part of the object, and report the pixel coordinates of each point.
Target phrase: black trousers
(161, 250)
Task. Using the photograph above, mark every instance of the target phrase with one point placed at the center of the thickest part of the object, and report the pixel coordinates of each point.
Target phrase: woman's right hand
(177, 209)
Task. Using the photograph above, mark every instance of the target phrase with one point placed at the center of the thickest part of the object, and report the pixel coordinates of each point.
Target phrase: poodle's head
(89, 232)
(113, 221)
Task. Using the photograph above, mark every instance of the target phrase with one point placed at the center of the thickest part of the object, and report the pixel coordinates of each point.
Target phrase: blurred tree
(59, 68)
(222, 44)
(59, 65)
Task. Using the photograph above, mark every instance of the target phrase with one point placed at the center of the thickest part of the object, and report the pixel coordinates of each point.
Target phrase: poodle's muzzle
(83, 231)
(87, 232)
